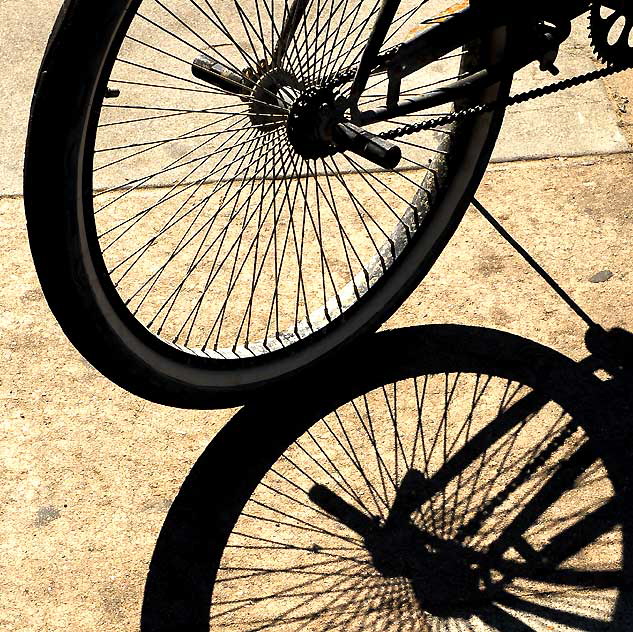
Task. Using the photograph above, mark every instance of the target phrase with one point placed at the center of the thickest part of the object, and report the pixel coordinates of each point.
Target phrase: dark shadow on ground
(430, 478)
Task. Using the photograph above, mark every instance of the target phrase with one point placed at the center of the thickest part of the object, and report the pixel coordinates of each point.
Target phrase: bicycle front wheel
(193, 246)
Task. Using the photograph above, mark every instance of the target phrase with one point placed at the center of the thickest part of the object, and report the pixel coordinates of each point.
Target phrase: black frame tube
(372, 49)
(448, 35)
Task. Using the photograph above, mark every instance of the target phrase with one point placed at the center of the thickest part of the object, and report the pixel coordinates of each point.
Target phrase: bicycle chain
(522, 97)
(478, 110)
(527, 471)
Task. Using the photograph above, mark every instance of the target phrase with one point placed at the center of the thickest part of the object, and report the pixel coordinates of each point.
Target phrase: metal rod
(348, 137)
(296, 13)
(534, 264)
(372, 49)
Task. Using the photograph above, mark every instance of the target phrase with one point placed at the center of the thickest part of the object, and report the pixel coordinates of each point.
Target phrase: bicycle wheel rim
(202, 371)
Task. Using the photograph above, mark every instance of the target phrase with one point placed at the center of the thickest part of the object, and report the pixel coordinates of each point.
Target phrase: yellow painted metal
(455, 8)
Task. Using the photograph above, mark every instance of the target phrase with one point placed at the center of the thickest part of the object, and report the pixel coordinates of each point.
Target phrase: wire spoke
(218, 234)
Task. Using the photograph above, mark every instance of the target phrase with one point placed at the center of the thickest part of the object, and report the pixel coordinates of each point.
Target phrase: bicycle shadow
(436, 477)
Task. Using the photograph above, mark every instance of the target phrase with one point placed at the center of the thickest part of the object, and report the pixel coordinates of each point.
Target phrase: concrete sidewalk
(90, 470)
(578, 122)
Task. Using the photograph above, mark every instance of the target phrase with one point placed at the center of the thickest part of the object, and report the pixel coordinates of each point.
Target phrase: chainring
(610, 25)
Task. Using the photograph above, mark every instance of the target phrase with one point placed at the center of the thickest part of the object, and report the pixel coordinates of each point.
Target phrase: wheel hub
(310, 122)
(444, 582)
(272, 95)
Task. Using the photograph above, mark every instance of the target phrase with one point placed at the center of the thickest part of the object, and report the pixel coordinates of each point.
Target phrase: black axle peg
(218, 75)
(349, 137)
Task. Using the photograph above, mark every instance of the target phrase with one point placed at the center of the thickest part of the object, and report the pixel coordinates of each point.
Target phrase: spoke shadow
(433, 478)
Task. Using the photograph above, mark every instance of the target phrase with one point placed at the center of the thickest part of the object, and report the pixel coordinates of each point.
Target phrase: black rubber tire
(58, 199)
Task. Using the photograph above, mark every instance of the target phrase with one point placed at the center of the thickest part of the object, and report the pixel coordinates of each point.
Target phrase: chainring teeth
(610, 34)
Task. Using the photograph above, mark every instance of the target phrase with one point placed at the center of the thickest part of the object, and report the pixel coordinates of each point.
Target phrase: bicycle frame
(537, 30)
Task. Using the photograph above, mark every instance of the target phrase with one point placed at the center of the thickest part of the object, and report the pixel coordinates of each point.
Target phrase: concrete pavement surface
(581, 121)
(89, 471)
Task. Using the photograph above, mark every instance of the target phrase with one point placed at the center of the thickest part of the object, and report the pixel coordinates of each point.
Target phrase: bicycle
(220, 195)
(472, 480)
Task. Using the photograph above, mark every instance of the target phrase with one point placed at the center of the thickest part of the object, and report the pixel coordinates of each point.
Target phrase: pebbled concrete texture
(90, 471)
(574, 122)
(24, 31)
(580, 121)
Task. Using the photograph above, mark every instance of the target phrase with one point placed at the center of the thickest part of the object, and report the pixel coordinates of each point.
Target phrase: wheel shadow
(432, 478)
